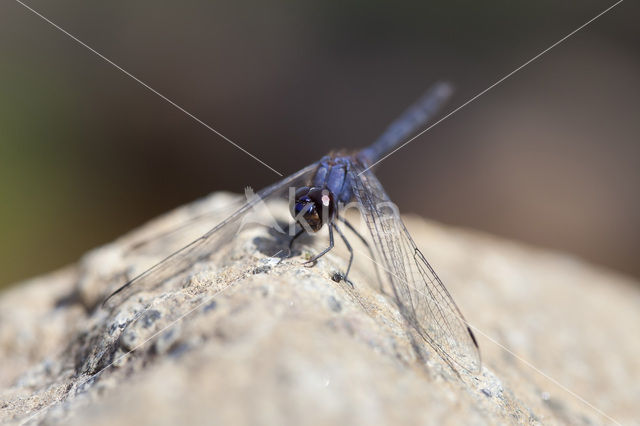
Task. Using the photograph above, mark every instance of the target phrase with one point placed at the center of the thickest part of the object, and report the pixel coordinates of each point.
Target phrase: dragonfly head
(316, 206)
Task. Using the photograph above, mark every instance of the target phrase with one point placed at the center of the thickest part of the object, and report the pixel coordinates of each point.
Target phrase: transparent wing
(203, 247)
(421, 296)
(193, 220)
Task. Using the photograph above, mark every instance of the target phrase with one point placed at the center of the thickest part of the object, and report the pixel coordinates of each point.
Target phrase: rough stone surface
(262, 340)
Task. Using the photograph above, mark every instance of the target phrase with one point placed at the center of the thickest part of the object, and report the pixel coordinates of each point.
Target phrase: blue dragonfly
(318, 195)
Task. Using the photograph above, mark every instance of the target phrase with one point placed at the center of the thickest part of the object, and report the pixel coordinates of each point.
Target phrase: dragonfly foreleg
(313, 260)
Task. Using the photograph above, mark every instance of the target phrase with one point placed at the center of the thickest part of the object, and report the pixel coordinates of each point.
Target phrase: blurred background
(550, 157)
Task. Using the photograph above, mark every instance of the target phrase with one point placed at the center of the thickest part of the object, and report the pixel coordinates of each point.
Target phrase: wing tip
(478, 368)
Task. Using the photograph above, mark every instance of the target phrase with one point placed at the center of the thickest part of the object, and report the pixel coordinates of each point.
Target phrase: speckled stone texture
(246, 338)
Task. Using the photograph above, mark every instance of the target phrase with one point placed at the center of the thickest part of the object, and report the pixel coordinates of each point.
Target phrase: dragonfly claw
(337, 277)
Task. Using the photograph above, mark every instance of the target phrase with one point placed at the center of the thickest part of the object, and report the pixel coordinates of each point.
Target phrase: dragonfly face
(315, 205)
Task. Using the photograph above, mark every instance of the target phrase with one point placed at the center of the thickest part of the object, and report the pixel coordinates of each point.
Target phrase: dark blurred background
(549, 157)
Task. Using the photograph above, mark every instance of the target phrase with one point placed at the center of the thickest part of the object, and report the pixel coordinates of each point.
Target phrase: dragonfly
(318, 195)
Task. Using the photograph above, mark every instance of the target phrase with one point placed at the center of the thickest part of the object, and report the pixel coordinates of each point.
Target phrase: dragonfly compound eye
(340, 177)
(314, 206)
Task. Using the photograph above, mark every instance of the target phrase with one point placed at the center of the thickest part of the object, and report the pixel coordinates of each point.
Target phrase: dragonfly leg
(346, 243)
(352, 229)
(364, 241)
(325, 251)
(300, 232)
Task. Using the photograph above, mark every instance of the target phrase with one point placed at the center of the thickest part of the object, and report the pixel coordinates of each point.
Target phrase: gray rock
(245, 338)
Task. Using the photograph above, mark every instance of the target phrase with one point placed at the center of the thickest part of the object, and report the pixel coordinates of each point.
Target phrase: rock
(253, 338)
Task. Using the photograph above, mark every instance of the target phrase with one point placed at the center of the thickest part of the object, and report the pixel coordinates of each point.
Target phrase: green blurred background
(550, 157)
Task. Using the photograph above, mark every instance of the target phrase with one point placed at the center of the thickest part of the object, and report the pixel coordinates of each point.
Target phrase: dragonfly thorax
(314, 206)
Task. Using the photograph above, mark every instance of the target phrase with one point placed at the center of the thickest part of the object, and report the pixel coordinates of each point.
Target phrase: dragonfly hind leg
(366, 244)
(346, 243)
